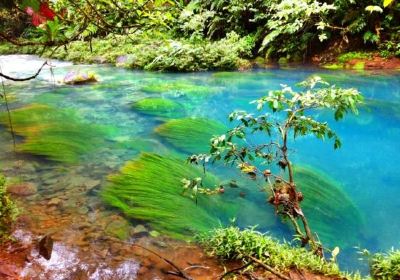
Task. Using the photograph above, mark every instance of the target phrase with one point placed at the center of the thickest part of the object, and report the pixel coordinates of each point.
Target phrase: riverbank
(174, 55)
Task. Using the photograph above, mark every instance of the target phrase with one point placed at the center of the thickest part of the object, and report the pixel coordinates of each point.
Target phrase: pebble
(22, 189)
(54, 201)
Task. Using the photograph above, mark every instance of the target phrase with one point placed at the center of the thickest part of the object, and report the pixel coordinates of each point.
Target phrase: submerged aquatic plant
(190, 134)
(148, 189)
(53, 133)
(159, 107)
(327, 204)
(181, 87)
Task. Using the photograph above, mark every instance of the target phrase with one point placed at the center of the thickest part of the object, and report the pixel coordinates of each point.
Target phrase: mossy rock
(149, 189)
(333, 66)
(56, 134)
(159, 107)
(330, 211)
(119, 228)
(191, 135)
(178, 87)
(359, 66)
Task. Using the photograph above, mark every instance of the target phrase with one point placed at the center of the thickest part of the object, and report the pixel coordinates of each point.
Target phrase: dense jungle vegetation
(202, 34)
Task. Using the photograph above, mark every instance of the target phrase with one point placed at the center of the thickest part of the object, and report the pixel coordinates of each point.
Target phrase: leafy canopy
(290, 110)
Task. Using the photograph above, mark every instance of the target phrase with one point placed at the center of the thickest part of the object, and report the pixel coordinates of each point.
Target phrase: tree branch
(27, 78)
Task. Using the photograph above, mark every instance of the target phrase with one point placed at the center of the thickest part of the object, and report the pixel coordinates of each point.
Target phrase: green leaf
(387, 2)
(34, 4)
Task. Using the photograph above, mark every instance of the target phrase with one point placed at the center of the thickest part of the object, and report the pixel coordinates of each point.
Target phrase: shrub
(8, 211)
(231, 243)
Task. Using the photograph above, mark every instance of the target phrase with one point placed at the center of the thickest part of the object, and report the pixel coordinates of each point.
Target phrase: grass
(231, 243)
(56, 134)
(385, 266)
(159, 107)
(191, 135)
(149, 189)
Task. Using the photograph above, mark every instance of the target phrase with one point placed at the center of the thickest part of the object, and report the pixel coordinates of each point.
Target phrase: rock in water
(46, 247)
(76, 78)
(22, 189)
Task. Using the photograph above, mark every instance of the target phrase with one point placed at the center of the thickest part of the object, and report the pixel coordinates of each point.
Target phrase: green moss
(234, 244)
(159, 107)
(333, 66)
(346, 57)
(6, 48)
(119, 228)
(330, 211)
(359, 66)
(283, 60)
(190, 134)
(56, 134)
(149, 189)
(8, 211)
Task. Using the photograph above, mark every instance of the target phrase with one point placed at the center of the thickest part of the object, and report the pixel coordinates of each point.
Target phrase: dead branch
(269, 268)
(235, 270)
(180, 273)
(27, 78)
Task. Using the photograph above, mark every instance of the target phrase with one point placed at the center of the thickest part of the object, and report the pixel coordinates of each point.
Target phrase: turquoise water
(366, 166)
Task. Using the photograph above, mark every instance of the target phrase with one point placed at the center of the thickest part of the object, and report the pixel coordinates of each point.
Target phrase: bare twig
(179, 272)
(236, 270)
(269, 268)
(24, 79)
(8, 113)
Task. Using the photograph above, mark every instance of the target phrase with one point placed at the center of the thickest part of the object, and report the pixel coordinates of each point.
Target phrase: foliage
(53, 133)
(190, 134)
(231, 243)
(8, 211)
(159, 107)
(384, 266)
(148, 189)
(152, 52)
(289, 114)
(288, 30)
(294, 19)
(84, 19)
(346, 57)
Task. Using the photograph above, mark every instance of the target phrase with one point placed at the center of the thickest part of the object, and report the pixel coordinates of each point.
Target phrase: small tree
(288, 114)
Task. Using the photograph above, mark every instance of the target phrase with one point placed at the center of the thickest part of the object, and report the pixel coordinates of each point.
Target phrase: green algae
(190, 134)
(387, 108)
(159, 107)
(330, 211)
(333, 66)
(149, 189)
(56, 134)
(180, 87)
